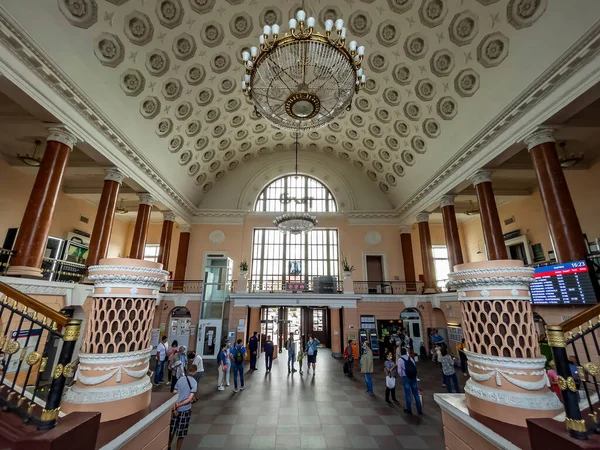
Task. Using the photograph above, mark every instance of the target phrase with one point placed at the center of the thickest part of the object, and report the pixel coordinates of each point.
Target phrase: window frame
(438, 277)
(309, 188)
(147, 256)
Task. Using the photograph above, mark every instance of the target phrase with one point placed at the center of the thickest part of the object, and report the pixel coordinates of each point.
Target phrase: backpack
(238, 356)
(410, 368)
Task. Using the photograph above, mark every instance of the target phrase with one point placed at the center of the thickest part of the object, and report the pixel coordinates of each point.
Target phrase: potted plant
(347, 268)
(243, 268)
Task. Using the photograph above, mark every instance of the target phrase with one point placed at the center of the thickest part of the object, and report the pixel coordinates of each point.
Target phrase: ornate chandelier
(295, 223)
(303, 79)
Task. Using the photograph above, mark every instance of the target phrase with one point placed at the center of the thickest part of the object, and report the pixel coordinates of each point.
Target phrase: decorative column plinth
(508, 381)
(114, 359)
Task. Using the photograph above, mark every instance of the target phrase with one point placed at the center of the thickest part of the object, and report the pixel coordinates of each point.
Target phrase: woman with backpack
(407, 370)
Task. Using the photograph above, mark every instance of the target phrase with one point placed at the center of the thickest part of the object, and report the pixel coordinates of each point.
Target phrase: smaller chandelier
(295, 223)
(303, 79)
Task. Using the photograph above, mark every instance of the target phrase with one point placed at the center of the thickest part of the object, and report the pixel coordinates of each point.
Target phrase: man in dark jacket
(349, 359)
(253, 347)
(269, 349)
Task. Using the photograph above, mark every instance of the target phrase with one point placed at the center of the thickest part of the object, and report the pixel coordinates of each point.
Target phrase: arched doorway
(180, 322)
(411, 320)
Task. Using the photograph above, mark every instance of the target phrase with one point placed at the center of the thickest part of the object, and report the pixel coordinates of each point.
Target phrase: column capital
(63, 135)
(169, 216)
(405, 229)
(114, 174)
(146, 199)
(423, 217)
(482, 176)
(447, 200)
(185, 228)
(539, 136)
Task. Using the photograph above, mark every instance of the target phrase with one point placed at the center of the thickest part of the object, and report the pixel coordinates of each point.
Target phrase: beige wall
(15, 188)
(238, 245)
(530, 217)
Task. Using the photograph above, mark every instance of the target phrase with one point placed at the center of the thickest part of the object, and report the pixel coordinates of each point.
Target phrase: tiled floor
(327, 410)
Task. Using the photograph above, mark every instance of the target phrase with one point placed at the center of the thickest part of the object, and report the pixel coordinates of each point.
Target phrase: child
(300, 359)
(223, 366)
(389, 368)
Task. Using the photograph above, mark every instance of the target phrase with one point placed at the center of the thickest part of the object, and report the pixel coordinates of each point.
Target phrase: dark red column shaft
(490, 221)
(140, 232)
(561, 216)
(182, 252)
(407, 255)
(105, 216)
(35, 226)
(165, 239)
(426, 253)
(455, 255)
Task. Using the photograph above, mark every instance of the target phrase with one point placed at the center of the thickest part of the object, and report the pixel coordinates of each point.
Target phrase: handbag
(390, 382)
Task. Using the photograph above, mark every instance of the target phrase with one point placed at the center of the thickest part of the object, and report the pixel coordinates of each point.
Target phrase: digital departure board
(572, 283)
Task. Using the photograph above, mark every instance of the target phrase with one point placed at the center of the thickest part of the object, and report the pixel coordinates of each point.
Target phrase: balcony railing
(330, 285)
(30, 333)
(388, 287)
(52, 269)
(579, 373)
(184, 286)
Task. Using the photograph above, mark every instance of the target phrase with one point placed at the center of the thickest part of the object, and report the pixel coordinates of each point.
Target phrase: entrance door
(411, 321)
(180, 323)
(318, 325)
(374, 273)
(208, 336)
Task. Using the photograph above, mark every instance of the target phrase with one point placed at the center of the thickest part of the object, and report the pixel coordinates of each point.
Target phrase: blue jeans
(238, 368)
(268, 361)
(369, 382)
(158, 371)
(411, 389)
(291, 359)
(454, 379)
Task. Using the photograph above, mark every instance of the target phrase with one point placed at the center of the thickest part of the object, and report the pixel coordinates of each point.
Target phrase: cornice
(580, 53)
(19, 43)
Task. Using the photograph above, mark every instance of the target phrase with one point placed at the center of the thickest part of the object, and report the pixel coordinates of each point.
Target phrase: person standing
(222, 367)
(172, 349)
(269, 350)
(463, 356)
(311, 351)
(229, 360)
(161, 359)
(389, 368)
(366, 367)
(290, 346)
(176, 366)
(238, 365)
(185, 388)
(448, 371)
(253, 347)
(349, 359)
(407, 370)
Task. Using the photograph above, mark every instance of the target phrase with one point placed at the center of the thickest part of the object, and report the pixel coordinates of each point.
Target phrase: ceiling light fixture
(303, 79)
(567, 160)
(472, 209)
(121, 209)
(32, 160)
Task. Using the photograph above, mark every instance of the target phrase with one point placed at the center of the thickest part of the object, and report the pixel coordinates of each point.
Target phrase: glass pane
(295, 194)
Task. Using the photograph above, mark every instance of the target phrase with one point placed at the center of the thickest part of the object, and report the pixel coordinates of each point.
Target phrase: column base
(24, 271)
(430, 290)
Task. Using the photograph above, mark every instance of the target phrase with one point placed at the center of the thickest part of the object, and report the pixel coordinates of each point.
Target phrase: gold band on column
(556, 336)
(72, 330)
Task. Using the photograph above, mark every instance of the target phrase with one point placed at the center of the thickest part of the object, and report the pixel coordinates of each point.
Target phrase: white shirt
(162, 351)
(198, 362)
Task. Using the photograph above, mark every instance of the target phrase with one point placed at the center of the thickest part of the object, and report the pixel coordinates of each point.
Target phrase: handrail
(580, 319)
(33, 304)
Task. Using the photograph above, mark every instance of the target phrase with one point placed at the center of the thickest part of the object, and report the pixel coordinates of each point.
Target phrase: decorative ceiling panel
(176, 66)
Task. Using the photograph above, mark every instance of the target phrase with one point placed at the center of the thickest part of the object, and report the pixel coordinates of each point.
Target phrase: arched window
(296, 194)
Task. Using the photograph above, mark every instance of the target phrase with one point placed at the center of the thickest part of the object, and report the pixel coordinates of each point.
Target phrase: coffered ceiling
(163, 76)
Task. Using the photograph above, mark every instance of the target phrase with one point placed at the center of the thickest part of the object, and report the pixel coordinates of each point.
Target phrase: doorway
(374, 273)
(411, 320)
(180, 323)
(209, 331)
(278, 322)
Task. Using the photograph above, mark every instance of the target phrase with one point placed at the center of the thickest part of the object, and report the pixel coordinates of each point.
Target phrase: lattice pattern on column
(117, 325)
(499, 328)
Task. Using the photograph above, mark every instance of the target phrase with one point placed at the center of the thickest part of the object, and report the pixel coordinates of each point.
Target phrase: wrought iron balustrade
(29, 333)
(279, 286)
(60, 270)
(388, 287)
(185, 286)
(576, 351)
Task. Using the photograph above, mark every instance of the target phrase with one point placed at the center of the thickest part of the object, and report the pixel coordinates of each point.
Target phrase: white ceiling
(131, 60)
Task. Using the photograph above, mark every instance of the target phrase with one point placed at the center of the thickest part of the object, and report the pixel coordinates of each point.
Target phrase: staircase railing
(29, 334)
(576, 351)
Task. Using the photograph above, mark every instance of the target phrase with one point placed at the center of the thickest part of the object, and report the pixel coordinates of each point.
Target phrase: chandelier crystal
(303, 79)
(295, 223)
